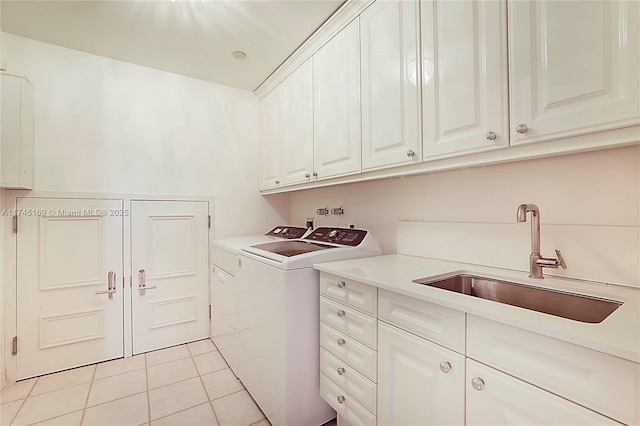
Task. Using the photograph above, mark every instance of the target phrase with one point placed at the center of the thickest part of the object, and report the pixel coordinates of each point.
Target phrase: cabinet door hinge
(14, 350)
(209, 311)
(15, 224)
(209, 221)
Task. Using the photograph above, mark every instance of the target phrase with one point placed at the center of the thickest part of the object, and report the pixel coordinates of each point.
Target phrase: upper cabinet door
(336, 92)
(270, 139)
(465, 77)
(574, 67)
(390, 86)
(297, 125)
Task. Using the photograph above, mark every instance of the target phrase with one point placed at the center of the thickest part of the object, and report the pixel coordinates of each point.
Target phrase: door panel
(336, 97)
(169, 248)
(390, 84)
(574, 67)
(64, 257)
(465, 77)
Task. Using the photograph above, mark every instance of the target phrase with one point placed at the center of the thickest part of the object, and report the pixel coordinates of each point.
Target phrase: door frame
(10, 272)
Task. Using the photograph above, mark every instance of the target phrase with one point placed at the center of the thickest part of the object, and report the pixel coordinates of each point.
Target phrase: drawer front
(354, 353)
(351, 293)
(350, 409)
(355, 384)
(350, 321)
(225, 260)
(435, 323)
(604, 383)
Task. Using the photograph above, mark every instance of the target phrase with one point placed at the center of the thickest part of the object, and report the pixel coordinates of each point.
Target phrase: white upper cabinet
(297, 125)
(270, 111)
(390, 86)
(17, 132)
(574, 68)
(464, 77)
(336, 92)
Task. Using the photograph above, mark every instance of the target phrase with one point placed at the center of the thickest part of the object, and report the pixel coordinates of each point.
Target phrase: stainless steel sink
(553, 302)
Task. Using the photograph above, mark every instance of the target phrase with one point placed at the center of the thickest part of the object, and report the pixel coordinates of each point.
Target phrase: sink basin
(553, 302)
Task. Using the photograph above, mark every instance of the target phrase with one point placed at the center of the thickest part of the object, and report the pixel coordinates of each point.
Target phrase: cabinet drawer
(436, 323)
(354, 353)
(350, 409)
(604, 383)
(351, 293)
(350, 321)
(225, 260)
(355, 384)
(505, 397)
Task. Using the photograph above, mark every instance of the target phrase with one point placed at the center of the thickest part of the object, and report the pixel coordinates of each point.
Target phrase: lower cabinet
(419, 382)
(439, 366)
(495, 398)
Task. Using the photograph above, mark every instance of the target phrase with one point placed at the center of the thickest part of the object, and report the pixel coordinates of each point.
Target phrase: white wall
(595, 188)
(111, 127)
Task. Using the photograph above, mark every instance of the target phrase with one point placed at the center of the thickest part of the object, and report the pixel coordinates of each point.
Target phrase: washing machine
(223, 291)
(279, 321)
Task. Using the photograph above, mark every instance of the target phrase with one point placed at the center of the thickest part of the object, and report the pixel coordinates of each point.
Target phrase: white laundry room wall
(105, 126)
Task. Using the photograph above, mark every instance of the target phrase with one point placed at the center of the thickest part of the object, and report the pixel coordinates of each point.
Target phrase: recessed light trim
(239, 54)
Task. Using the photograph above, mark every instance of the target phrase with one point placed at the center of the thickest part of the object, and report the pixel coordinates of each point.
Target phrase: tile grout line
(215, 415)
(24, 401)
(146, 375)
(86, 401)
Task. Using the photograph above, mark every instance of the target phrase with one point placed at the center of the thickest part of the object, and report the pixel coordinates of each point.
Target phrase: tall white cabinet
(465, 77)
(16, 139)
(336, 92)
(270, 112)
(390, 84)
(297, 125)
(573, 68)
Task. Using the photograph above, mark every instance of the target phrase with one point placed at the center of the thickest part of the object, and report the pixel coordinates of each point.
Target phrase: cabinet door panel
(506, 400)
(270, 139)
(390, 91)
(465, 89)
(297, 125)
(412, 390)
(574, 67)
(336, 89)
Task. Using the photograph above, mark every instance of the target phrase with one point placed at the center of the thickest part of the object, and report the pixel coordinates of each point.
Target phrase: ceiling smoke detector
(239, 54)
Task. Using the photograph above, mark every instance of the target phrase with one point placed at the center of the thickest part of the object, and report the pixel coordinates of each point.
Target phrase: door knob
(142, 283)
(111, 285)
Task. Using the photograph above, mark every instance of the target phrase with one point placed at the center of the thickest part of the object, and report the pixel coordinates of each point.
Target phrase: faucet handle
(561, 261)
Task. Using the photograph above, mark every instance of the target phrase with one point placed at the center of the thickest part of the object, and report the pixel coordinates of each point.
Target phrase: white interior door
(169, 250)
(68, 250)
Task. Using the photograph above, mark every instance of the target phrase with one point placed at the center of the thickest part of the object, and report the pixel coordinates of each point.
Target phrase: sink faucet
(536, 261)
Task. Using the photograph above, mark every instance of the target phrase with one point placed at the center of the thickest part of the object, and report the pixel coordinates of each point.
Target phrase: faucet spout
(536, 261)
(535, 224)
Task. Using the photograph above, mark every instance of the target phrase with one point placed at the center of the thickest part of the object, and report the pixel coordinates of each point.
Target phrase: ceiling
(192, 38)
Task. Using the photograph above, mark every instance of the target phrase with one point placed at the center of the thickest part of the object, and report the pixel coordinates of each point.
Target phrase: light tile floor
(183, 385)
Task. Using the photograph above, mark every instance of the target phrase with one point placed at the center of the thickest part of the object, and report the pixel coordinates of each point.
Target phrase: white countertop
(618, 334)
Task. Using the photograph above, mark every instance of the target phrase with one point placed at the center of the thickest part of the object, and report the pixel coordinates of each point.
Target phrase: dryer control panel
(345, 236)
(288, 232)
